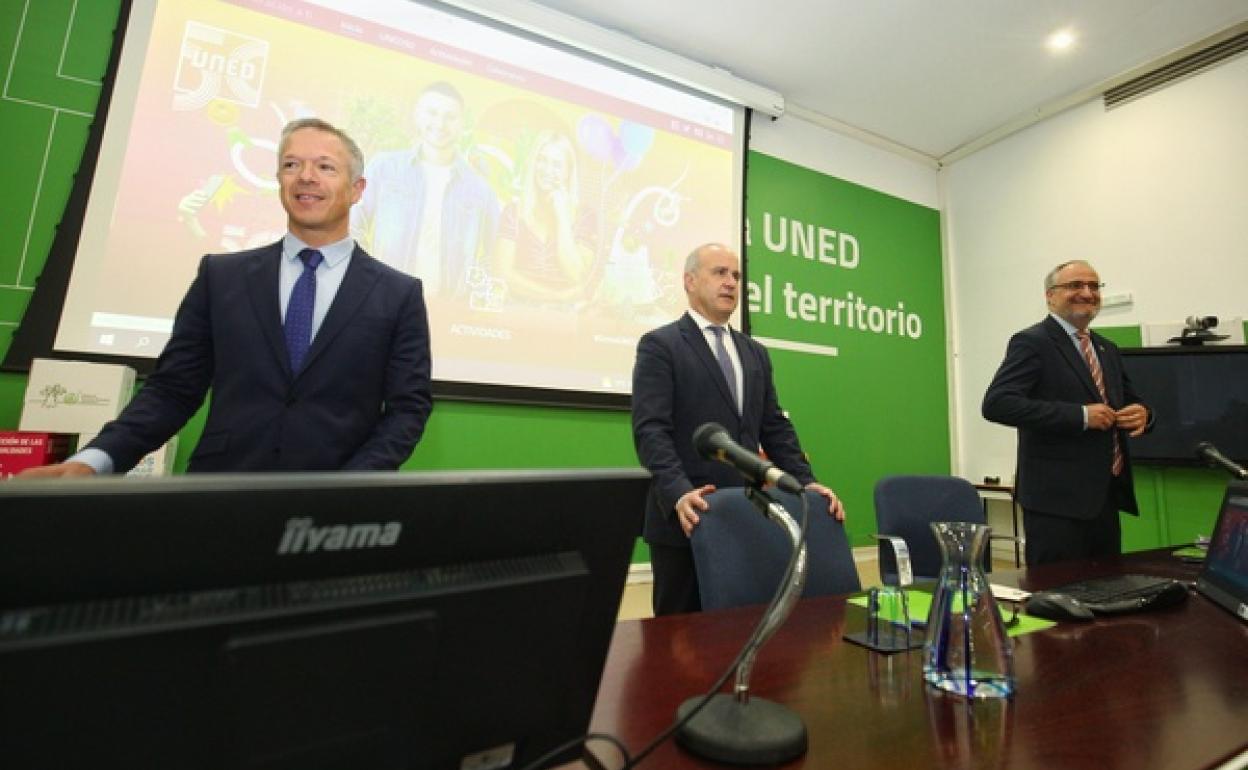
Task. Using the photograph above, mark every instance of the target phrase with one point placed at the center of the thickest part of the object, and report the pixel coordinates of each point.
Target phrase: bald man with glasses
(1064, 388)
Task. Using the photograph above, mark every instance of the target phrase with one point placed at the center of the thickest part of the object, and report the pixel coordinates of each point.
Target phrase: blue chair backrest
(905, 506)
(740, 554)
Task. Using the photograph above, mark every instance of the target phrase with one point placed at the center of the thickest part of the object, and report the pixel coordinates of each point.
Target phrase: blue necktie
(298, 324)
(725, 363)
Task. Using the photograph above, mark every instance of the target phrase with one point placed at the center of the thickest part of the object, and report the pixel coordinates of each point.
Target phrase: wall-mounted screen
(546, 198)
(1198, 393)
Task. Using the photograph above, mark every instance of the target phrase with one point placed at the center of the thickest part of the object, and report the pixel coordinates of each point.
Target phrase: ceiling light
(1060, 40)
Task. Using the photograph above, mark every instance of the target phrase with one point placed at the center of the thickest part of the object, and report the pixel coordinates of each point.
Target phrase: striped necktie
(1094, 366)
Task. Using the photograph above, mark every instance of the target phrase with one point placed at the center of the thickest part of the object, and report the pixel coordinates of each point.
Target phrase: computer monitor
(1224, 578)
(1197, 392)
(411, 620)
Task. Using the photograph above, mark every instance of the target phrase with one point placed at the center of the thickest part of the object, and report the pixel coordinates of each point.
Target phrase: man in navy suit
(689, 372)
(1065, 390)
(317, 355)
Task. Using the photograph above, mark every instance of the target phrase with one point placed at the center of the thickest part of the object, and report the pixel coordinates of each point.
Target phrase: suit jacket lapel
(1066, 348)
(696, 339)
(262, 287)
(362, 274)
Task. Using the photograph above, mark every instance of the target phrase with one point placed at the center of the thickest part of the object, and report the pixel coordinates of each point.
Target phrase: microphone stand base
(756, 733)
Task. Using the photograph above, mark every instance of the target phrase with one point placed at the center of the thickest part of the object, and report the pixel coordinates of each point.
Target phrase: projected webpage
(546, 200)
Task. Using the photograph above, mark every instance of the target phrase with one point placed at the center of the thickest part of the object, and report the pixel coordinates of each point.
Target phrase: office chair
(740, 555)
(906, 505)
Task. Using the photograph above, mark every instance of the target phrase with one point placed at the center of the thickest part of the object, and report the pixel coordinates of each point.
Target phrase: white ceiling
(928, 75)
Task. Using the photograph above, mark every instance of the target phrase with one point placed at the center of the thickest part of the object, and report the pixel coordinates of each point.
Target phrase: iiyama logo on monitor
(303, 536)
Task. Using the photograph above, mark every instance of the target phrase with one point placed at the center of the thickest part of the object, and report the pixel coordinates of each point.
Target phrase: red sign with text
(20, 450)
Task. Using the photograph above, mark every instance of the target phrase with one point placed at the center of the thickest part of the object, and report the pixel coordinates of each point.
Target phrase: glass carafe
(967, 651)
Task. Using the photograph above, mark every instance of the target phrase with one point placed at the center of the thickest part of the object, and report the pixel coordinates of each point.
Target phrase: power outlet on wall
(1117, 299)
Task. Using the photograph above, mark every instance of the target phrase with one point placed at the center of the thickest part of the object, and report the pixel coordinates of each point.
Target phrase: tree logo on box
(55, 394)
(52, 394)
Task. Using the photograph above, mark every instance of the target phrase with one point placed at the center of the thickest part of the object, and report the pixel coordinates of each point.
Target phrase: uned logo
(218, 64)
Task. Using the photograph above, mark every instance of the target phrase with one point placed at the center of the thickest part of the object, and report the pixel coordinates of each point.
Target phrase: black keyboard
(1125, 593)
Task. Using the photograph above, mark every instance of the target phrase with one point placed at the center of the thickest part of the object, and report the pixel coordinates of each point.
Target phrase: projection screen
(547, 199)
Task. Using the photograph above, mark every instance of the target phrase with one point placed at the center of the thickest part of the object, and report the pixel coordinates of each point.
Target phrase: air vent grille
(1176, 70)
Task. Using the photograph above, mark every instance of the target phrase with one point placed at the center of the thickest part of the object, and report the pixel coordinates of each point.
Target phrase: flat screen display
(342, 620)
(1197, 394)
(1225, 576)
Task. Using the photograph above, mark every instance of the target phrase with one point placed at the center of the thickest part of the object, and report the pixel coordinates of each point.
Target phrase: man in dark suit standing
(317, 355)
(689, 372)
(1065, 390)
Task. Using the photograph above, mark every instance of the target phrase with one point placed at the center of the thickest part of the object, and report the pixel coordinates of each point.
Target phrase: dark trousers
(1052, 538)
(675, 581)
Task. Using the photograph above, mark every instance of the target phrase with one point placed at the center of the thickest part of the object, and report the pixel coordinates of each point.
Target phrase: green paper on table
(1190, 553)
(920, 604)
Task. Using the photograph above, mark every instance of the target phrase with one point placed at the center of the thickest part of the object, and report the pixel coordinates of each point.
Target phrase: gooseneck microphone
(1212, 457)
(738, 728)
(712, 441)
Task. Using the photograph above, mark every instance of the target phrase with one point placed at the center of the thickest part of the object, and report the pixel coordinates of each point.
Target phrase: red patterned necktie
(1094, 366)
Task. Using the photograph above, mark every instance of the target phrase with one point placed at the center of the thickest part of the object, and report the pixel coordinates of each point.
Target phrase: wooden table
(1166, 689)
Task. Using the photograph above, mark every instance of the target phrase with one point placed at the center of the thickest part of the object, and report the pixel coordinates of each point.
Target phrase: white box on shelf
(74, 396)
(158, 463)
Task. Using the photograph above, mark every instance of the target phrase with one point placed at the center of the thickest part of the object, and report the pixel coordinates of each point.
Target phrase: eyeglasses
(1092, 286)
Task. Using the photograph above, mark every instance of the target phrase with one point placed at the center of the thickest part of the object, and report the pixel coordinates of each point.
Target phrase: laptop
(1224, 579)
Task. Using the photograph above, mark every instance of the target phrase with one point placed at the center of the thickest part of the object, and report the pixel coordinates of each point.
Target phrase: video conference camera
(1197, 330)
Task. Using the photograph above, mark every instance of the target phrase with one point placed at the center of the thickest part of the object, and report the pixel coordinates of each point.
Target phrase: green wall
(50, 90)
(825, 240)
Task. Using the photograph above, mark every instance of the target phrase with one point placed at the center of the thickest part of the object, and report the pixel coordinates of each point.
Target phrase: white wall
(806, 144)
(1154, 193)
